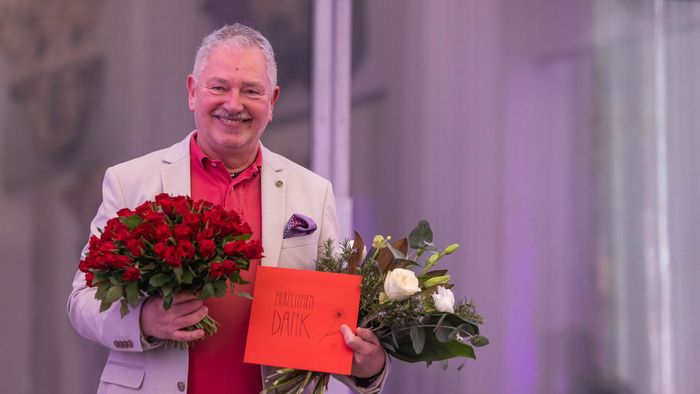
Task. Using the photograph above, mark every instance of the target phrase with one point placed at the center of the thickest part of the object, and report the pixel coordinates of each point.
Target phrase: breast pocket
(121, 378)
(299, 252)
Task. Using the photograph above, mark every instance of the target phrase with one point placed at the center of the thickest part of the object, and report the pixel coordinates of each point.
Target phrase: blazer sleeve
(107, 328)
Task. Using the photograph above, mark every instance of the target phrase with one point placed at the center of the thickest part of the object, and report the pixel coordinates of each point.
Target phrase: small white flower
(400, 284)
(444, 300)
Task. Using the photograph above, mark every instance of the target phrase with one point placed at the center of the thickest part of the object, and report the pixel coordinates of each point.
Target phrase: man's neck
(235, 162)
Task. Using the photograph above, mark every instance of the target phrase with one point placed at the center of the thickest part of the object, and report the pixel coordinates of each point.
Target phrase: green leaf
(178, 274)
(439, 323)
(104, 305)
(219, 288)
(132, 294)
(417, 339)
(187, 277)
(167, 301)
(479, 340)
(159, 280)
(102, 290)
(421, 235)
(124, 308)
(244, 295)
(113, 294)
(207, 291)
(131, 221)
(433, 350)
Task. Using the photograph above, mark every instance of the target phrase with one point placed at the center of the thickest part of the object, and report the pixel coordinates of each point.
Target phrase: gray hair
(240, 36)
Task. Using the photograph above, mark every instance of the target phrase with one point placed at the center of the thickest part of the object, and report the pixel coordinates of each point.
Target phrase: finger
(188, 307)
(182, 297)
(357, 344)
(190, 319)
(187, 336)
(367, 335)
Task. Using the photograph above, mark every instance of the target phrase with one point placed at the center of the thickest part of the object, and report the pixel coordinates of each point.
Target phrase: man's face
(232, 101)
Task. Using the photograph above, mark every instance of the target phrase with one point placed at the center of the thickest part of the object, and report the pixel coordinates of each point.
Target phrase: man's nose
(233, 102)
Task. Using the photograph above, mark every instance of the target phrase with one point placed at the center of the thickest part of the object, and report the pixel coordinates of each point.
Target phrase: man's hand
(185, 311)
(368, 358)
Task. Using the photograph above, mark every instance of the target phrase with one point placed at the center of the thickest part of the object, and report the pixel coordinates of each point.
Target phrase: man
(232, 92)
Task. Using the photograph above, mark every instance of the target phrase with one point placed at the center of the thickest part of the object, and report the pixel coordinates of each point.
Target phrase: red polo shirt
(216, 364)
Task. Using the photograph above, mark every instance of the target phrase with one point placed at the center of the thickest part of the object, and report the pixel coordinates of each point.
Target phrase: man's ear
(273, 99)
(190, 91)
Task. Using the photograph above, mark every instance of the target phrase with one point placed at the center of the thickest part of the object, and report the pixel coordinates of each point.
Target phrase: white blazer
(286, 188)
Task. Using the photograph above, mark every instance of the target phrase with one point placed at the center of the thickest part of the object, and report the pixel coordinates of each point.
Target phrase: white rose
(400, 284)
(444, 300)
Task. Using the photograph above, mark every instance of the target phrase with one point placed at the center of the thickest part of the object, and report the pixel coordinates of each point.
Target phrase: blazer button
(181, 386)
(279, 184)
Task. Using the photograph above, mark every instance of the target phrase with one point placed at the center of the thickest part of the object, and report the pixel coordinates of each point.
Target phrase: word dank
(290, 324)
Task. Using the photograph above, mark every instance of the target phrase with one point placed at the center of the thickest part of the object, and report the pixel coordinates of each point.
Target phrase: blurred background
(556, 141)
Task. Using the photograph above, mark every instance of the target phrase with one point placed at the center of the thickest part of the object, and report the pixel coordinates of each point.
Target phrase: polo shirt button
(181, 386)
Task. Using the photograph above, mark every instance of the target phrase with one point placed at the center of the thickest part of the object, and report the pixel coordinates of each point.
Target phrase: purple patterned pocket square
(299, 225)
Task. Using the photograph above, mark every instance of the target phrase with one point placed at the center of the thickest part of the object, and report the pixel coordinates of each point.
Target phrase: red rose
(83, 266)
(145, 207)
(254, 250)
(107, 247)
(207, 248)
(89, 277)
(159, 249)
(117, 261)
(191, 219)
(96, 261)
(131, 274)
(123, 235)
(94, 242)
(230, 266)
(125, 212)
(234, 247)
(135, 247)
(185, 250)
(163, 232)
(181, 231)
(206, 233)
(224, 268)
(242, 228)
(182, 207)
(171, 257)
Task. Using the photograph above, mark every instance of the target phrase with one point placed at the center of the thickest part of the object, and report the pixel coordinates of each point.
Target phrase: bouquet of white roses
(407, 303)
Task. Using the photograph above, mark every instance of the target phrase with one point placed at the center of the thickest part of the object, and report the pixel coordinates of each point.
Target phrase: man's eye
(217, 88)
(251, 92)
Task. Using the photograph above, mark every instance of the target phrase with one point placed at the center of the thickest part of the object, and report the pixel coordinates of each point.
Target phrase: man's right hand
(185, 311)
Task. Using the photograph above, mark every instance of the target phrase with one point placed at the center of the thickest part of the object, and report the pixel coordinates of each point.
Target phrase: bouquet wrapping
(405, 301)
(167, 246)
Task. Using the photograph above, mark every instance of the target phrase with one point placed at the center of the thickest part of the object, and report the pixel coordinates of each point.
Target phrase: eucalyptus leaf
(433, 349)
(417, 339)
(479, 340)
(421, 235)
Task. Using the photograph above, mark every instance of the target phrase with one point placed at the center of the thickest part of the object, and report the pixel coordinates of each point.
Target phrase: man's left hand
(368, 358)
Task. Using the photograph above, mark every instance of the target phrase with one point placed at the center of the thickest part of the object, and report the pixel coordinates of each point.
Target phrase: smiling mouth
(232, 120)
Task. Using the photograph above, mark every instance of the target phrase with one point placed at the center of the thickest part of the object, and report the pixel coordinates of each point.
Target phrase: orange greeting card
(296, 316)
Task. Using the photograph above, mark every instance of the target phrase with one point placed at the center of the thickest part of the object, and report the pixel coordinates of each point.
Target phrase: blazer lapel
(273, 190)
(175, 169)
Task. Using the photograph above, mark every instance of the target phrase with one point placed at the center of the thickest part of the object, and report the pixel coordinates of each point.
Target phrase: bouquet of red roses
(167, 246)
